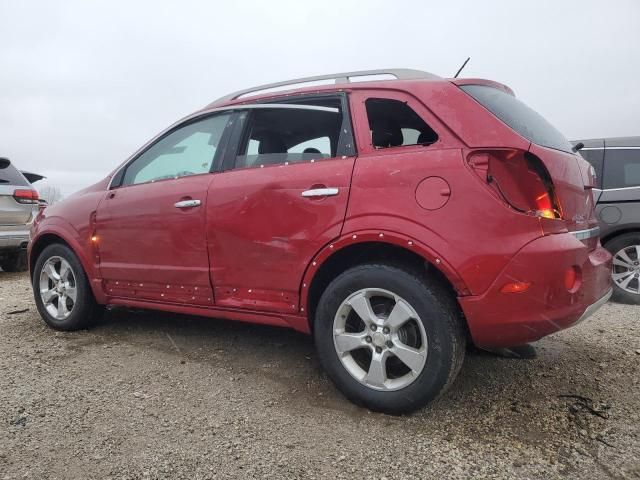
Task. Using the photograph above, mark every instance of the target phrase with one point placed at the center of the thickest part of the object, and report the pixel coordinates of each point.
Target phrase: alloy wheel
(626, 269)
(380, 339)
(58, 287)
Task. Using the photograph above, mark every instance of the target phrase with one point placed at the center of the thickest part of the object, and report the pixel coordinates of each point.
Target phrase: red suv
(395, 220)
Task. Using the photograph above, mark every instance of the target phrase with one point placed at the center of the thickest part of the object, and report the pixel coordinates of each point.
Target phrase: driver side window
(189, 150)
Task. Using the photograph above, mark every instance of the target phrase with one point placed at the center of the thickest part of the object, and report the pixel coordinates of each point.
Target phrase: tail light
(24, 195)
(520, 179)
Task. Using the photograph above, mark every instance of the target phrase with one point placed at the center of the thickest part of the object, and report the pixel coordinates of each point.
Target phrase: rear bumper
(591, 309)
(499, 319)
(14, 239)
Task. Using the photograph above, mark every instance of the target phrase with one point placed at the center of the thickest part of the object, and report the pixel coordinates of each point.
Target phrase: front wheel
(61, 289)
(388, 340)
(625, 250)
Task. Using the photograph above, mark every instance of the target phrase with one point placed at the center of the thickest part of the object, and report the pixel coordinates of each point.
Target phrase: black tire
(15, 262)
(440, 317)
(614, 246)
(85, 310)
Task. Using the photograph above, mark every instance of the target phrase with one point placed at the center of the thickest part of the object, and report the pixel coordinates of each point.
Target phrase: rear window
(518, 116)
(9, 175)
(622, 168)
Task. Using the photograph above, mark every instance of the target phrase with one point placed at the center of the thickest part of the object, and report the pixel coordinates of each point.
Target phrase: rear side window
(394, 124)
(9, 175)
(521, 118)
(621, 168)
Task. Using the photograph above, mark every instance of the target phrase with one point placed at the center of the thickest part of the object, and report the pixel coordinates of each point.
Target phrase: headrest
(271, 144)
(311, 150)
(427, 137)
(388, 135)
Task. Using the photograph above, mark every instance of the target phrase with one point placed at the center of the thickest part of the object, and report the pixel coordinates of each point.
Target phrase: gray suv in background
(18, 207)
(617, 197)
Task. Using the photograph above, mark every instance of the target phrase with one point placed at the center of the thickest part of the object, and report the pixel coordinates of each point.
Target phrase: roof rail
(399, 73)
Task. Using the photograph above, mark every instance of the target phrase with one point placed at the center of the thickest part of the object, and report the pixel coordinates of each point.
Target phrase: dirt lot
(149, 395)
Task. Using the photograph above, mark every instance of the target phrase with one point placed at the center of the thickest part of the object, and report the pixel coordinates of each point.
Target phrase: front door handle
(187, 204)
(320, 192)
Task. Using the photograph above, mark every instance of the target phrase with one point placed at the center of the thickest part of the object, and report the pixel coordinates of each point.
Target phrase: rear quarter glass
(517, 115)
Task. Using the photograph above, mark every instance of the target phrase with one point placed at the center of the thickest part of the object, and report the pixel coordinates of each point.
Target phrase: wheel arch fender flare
(383, 237)
(64, 231)
(619, 231)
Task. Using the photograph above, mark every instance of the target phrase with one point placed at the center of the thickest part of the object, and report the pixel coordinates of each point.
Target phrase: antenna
(460, 69)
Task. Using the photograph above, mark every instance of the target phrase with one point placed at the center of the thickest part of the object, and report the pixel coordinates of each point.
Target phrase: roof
(407, 78)
(622, 142)
(610, 142)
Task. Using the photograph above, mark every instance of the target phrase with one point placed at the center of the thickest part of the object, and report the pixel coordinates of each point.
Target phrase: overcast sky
(84, 83)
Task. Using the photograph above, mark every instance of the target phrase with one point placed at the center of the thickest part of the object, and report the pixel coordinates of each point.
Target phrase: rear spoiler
(32, 177)
(482, 81)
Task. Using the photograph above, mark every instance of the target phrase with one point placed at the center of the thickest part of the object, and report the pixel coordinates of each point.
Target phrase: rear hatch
(573, 181)
(17, 197)
(571, 175)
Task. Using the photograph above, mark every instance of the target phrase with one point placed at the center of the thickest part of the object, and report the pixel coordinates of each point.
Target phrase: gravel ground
(151, 395)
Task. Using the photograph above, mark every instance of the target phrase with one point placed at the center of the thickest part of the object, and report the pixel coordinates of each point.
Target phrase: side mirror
(4, 162)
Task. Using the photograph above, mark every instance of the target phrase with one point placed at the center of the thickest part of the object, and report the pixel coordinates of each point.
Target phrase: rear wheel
(61, 289)
(387, 339)
(14, 262)
(626, 267)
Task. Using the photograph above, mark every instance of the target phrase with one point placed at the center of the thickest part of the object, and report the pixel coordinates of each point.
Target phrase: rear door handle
(187, 204)
(320, 192)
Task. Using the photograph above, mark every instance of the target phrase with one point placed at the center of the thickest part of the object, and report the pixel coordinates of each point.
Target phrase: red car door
(281, 200)
(150, 227)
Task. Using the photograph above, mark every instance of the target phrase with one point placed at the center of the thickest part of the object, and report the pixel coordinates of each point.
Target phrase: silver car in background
(616, 162)
(18, 207)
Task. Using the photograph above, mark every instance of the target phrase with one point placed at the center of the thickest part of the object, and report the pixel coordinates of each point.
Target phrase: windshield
(521, 118)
